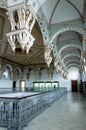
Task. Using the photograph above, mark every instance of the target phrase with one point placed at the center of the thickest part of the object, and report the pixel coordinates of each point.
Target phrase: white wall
(73, 75)
(84, 77)
(5, 85)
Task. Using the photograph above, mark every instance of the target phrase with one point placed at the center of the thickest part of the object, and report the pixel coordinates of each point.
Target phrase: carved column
(84, 43)
(39, 72)
(11, 75)
(28, 74)
(56, 63)
(52, 72)
(21, 75)
(35, 73)
(49, 73)
(47, 54)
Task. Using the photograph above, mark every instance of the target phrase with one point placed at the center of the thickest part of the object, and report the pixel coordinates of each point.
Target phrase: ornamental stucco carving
(64, 29)
(47, 54)
(43, 26)
(84, 42)
(22, 19)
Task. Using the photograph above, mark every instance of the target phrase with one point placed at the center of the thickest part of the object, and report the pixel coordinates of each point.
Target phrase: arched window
(6, 73)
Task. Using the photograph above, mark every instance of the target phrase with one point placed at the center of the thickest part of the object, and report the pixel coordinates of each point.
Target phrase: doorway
(22, 86)
(74, 85)
(14, 85)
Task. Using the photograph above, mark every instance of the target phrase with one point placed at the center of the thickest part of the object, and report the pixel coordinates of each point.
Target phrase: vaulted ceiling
(65, 21)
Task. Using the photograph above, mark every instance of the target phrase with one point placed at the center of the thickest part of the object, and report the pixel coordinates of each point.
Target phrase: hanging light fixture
(22, 19)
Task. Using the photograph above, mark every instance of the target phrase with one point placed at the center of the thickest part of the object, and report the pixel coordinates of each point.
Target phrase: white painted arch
(72, 60)
(73, 64)
(64, 29)
(7, 65)
(71, 55)
(17, 68)
(69, 45)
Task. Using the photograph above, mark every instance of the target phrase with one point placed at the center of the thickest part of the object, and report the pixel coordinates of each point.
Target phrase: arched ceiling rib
(75, 9)
(72, 60)
(74, 64)
(70, 45)
(66, 28)
(53, 11)
(59, 12)
(70, 55)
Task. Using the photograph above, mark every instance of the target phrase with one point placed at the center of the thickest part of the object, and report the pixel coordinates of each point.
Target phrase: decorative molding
(64, 29)
(69, 45)
(43, 27)
(75, 9)
(47, 53)
(84, 42)
(73, 64)
(22, 19)
(53, 11)
(72, 60)
(70, 55)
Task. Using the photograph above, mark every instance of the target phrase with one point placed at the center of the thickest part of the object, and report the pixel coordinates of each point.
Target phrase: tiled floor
(68, 113)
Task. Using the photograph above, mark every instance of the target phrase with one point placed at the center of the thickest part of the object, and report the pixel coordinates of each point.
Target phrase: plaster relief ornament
(22, 19)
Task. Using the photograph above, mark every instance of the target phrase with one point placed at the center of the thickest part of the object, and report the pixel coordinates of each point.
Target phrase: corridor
(68, 113)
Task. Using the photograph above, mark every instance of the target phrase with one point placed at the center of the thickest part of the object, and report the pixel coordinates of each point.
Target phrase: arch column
(45, 34)
(40, 72)
(11, 75)
(28, 74)
(84, 42)
(35, 72)
(47, 54)
(21, 76)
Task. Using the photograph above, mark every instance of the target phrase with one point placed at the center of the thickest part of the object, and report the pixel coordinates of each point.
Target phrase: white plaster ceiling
(63, 11)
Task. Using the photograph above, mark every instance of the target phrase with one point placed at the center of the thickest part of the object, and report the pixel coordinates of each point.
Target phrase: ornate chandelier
(22, 19)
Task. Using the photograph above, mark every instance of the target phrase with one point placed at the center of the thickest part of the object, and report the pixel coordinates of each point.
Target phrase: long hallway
(68, 113)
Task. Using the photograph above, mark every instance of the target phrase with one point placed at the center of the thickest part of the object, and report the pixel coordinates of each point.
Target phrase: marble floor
(68, 113)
